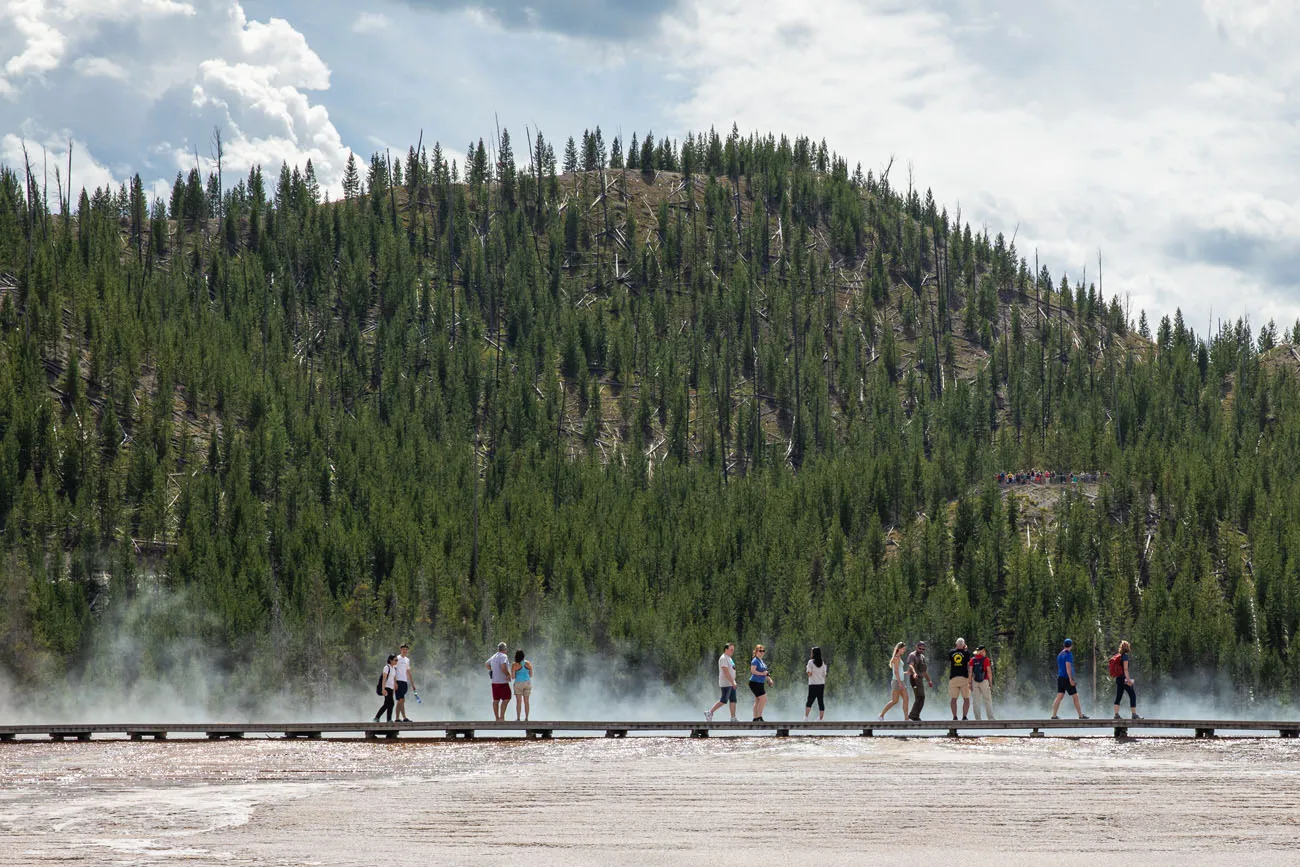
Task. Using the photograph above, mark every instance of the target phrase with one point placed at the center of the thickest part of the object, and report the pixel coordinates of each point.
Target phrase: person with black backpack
(1118, 668)
(386, 686)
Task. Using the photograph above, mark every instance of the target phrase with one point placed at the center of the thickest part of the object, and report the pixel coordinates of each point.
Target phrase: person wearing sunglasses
(759, 680)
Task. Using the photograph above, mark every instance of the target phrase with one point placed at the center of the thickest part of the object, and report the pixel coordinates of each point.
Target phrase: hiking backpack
(1116, 666)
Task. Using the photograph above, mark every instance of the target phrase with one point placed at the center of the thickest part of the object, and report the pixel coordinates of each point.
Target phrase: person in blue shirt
(1065, 684)
(759, 678)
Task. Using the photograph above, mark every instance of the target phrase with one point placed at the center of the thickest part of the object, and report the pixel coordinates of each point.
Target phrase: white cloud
(371, 22)
(147, 80)
(100, 66)
(50, 153)
(1169, 149)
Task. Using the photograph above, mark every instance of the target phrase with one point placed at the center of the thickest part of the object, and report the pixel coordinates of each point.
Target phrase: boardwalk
(540, 729)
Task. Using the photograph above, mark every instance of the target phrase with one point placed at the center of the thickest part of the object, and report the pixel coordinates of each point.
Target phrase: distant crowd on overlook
(1047, 477)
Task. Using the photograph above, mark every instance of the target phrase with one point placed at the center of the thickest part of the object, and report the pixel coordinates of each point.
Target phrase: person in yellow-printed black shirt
(959, 678)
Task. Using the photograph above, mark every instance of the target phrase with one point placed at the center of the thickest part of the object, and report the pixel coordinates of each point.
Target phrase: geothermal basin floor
(653, 801)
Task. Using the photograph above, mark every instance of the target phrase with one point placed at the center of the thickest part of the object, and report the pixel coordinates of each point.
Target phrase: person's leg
(821, 702)
(1056, 705)
(519, 705)
(907, 703)
(893, 700)
(1078, 707)
(1119, 693)
(965, 702)
(528, 701)
(733, 707)
(975, 688)
(918, 696)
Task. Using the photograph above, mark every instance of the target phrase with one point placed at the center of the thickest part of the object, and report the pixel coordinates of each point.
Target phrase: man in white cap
(959, 678)
(499, 668)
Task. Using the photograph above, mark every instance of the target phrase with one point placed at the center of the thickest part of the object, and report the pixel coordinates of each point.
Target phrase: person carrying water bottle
(523, 672)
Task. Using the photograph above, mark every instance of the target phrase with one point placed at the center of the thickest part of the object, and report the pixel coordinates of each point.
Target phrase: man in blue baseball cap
(1065, 684)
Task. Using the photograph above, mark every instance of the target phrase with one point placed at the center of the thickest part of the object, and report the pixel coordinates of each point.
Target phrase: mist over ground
(149, 662)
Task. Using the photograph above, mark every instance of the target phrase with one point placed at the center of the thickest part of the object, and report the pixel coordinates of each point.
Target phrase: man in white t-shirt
(402, 669)
(499, 667)
(726, 682)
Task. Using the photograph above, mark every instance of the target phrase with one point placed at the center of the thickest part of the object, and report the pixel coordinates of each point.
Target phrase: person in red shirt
(981, 675)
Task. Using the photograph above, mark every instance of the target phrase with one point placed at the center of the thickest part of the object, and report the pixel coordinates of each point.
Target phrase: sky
(1159, 135)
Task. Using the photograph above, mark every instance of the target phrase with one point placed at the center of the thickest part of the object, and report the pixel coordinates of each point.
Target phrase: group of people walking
(970, 679)
(968, 674)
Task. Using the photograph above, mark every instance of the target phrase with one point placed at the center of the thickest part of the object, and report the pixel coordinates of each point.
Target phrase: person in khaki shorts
(981, 675)
(959, 678)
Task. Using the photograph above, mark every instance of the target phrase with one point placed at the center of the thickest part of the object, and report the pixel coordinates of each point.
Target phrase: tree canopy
(680, 393)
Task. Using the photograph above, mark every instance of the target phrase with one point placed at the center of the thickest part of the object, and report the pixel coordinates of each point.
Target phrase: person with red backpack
(1118, 668)
(981, 675)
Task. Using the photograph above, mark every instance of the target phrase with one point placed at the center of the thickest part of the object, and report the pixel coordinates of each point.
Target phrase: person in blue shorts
(1065, 683)
(726, 682)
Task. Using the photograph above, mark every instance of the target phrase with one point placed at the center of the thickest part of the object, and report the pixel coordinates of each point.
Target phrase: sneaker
(1135, 716)
(708, 716)
(1084, 716)
(964, 719)
(758, 719)
(1117, 716)
(1054, 716)
(733, 719)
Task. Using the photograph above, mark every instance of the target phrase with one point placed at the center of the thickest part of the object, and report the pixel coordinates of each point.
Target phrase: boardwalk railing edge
(467, 729)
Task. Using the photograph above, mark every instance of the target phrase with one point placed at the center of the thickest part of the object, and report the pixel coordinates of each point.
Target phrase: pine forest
(631, 401)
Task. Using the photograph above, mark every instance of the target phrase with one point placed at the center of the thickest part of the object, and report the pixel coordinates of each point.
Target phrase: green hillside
(635, 401)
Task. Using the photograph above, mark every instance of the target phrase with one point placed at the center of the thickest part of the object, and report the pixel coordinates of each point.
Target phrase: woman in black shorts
(816, 669)
(759, 678)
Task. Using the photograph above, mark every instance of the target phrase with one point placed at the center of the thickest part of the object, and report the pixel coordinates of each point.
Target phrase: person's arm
(754, 672)
(808, 671)
(988, 672)
(410, 676)
(529, 666)
(1128, 678)
(1069, 672)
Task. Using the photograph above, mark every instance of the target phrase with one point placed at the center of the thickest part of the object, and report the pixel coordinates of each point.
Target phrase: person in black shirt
(959, 678)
